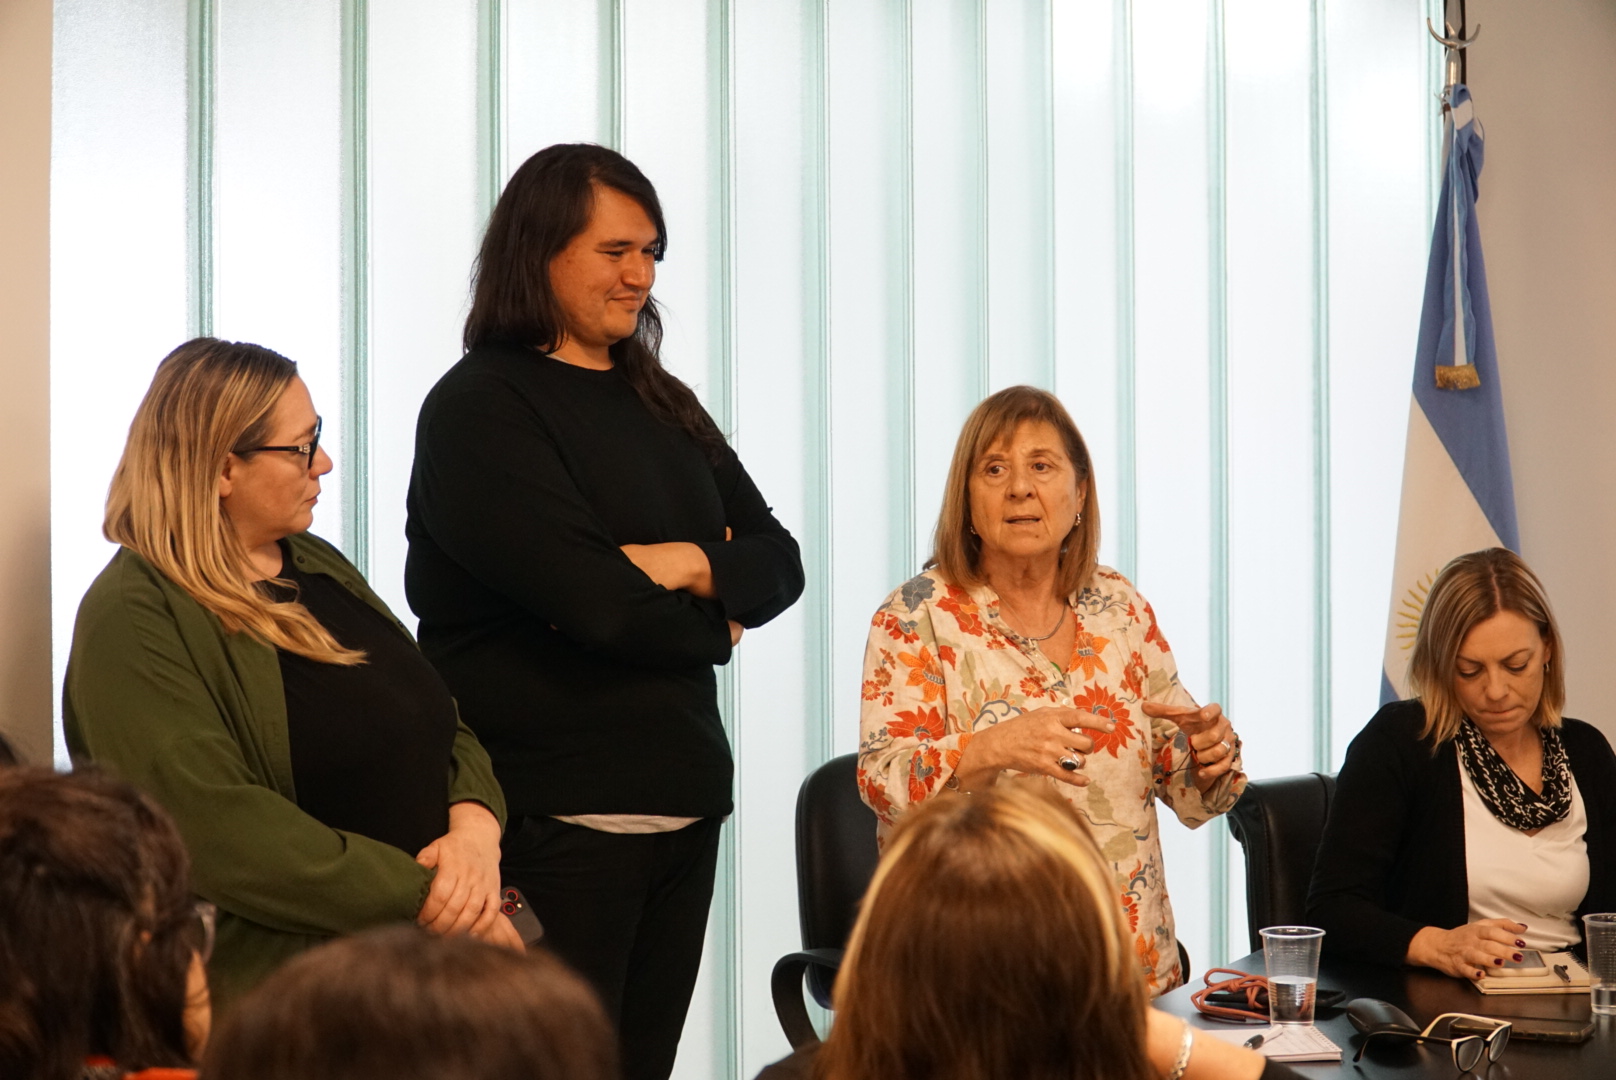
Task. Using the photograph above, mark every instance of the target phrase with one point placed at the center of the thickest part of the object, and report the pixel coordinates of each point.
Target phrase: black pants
(629, 913)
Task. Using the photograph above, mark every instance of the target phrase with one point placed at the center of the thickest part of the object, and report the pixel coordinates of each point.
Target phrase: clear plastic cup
(1599, 932)
(1291, 954)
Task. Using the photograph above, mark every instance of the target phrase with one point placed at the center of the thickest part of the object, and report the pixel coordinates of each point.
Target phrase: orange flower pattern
(940, 665)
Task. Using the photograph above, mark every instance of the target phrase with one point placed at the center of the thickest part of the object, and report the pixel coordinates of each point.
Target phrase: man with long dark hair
(584, 548)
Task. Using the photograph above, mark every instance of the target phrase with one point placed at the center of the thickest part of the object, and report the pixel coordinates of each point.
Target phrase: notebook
(1540, 984)
(1288, 1042)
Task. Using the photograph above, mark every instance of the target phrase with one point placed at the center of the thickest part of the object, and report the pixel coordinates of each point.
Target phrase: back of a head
(991, 943)
(399, 1004)
(95, 921)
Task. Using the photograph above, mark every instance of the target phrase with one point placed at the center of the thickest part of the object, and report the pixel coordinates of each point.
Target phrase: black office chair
(1279, 823)
(836, 856)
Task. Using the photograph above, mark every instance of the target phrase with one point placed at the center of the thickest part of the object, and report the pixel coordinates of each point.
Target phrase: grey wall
(25, 662)
(1541, 77)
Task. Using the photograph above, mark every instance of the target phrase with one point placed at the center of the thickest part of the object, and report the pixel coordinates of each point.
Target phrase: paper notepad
(1575, 982)
(1288, 1042)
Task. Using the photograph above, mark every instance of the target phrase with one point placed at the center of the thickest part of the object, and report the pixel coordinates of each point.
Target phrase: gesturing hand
(464, 897)
(1470, 951)
(1212, 740)
(1035, 743)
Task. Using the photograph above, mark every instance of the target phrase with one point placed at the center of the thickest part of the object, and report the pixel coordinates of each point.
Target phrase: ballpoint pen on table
(1560, 970)
(1253, 1042)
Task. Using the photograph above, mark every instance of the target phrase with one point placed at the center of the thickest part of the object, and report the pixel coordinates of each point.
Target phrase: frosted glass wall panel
(1019, 257)
(278, 146)
(949, 228)
(1092, 233)
(118, 260)
(1271, 501)
(1173, 393)
(1382, 112)
(560, 74)
(873, 533)
(671, 130)
(425, 221)
(780, 727)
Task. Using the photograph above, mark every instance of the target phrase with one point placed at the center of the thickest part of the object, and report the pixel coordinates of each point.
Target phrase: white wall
(25, 661)
(1540, 73)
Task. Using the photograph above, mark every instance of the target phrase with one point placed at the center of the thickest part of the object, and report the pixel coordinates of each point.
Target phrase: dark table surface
(1424, 995)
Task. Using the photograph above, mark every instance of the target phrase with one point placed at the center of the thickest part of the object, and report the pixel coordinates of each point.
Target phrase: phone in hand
(513, 905)
(1530, 964)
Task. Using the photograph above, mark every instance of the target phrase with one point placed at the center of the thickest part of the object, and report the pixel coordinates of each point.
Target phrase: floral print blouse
(941, 665)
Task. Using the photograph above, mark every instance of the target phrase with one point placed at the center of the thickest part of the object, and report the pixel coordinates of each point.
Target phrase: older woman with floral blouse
(1015, 653)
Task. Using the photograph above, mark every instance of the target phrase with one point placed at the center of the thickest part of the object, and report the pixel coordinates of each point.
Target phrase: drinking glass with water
(1292, 956)
(1599, 932)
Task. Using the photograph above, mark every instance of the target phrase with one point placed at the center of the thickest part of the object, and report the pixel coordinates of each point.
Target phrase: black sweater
(590, 685)
(1392, 860)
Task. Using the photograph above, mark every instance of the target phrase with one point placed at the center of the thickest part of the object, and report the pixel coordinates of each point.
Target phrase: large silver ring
(1070, 764)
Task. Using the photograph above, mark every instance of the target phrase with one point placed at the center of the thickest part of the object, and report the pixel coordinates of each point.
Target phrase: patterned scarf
(1510, 800)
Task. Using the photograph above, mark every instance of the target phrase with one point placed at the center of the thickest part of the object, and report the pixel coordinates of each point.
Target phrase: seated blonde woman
(1474, 821)
(239, 670)
(1015, 653)
(990, 943)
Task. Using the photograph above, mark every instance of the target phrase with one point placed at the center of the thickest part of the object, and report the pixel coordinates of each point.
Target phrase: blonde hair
(209, 399)
(956, 551)
(991, 942)
(1470, 590)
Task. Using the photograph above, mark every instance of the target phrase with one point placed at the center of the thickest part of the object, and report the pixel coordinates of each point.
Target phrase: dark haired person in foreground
(1474, 821)
(584, 548)
(240, 671)
(393, 1004)
(102, 946)
(990, 944)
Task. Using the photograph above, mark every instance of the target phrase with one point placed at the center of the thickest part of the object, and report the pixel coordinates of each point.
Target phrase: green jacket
(158, 693)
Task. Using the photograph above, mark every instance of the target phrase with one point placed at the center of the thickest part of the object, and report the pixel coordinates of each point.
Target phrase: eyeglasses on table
(1467, 1050)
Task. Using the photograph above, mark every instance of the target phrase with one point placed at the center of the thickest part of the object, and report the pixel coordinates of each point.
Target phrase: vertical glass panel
(424, 230)
(1020, 324)
(118, 260)
(779, 363)
(1087, 228)
(1268, 51)
(949, 229)
(1382, 100)
(559, 74)
(278, 200)
(1171, 259)
(871, 533)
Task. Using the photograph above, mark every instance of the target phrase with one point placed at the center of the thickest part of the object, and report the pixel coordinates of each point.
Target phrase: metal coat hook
(1456, 43)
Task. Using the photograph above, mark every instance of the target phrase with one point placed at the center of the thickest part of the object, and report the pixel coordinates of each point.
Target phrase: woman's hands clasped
(1213, 743)
(1470, 951)
(1036, 743)
(465, 893)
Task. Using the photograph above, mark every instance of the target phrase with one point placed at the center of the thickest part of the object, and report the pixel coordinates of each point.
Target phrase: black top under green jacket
(1392, 860)
(158, 693)
(591, 685)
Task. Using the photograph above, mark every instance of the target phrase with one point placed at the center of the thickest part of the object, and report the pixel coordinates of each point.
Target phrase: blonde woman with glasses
(240, 670)
(1474, 821)
(990, 943)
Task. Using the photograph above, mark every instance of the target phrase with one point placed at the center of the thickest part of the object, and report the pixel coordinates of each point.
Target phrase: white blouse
(1537, 880)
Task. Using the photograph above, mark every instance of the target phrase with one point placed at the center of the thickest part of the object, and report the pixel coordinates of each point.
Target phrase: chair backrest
(1279, 824)
(836, 857)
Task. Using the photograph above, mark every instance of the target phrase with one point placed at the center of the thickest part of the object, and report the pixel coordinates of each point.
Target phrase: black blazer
(1392, 860)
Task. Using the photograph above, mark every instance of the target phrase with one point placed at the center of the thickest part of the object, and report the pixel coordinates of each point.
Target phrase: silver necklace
(1059, 622)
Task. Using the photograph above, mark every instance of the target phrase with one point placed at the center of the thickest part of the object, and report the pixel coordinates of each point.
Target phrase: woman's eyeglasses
(1468, 1050)
(307, 449)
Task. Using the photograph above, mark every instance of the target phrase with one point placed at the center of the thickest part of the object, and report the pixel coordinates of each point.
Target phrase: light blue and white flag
(1458, 495)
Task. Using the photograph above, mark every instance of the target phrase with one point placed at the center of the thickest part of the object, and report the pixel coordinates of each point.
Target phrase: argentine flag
(1458, 495)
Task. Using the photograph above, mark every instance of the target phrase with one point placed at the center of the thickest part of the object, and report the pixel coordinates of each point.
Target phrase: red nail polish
(1519, 958)
(1519, 944)
(1499, 961)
